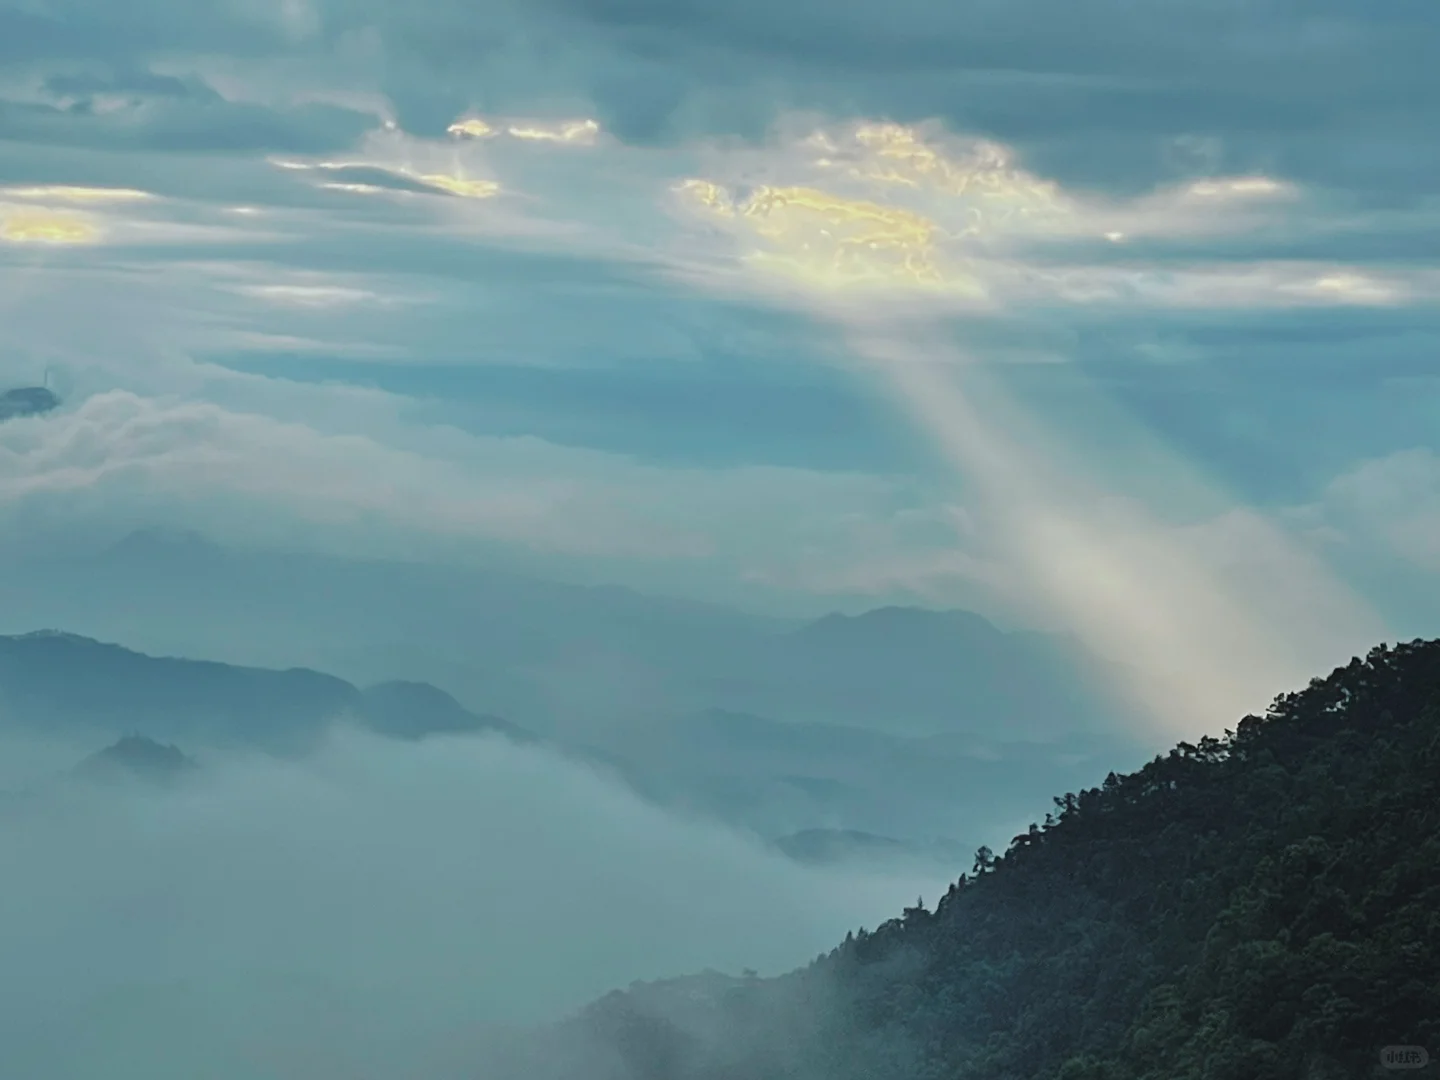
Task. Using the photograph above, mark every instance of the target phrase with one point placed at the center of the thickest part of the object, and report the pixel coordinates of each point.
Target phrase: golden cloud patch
(569, 131)
(458, 185)
(828, 240)
(43, 228)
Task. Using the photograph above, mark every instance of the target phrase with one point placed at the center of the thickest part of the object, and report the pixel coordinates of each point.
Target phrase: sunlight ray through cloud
(1205, 645)
(1209, 648)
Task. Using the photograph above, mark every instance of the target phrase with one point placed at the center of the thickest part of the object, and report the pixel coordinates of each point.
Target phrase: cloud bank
(379, 909)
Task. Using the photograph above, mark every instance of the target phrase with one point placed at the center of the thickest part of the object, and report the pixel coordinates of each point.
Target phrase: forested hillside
(1260, 906)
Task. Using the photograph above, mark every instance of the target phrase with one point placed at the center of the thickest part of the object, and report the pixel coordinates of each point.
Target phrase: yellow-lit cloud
(569, 131)
(450, 183)
(984, 177)
(574, 131)
(459, 185)
(708, 195)
(473, 127)
(45, 228)
(882, 206)
(1239, 186)
(828, 240)
(910, 207)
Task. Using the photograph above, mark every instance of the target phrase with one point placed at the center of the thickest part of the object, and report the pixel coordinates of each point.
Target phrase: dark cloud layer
(193, 123)
(1338, 90)
(1095, 91)
(67, 30)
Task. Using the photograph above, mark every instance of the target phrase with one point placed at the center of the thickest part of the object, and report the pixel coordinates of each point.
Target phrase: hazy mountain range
(563, 658)
(53, 682)
(822, 791)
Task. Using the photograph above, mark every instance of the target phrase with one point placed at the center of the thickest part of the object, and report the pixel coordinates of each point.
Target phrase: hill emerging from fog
(58, 683)
(1253, 907)
(138, 758)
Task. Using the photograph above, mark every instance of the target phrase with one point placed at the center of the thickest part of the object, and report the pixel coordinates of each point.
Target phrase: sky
(1122, 323)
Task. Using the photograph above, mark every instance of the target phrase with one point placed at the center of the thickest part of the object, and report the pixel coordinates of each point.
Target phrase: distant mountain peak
(27, 401)
(54, 635)
(52, 678)
(906, 629)
(894, 616)
(164, 541)
(138, 756)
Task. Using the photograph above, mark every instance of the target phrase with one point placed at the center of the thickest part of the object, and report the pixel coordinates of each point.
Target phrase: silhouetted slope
(412, 710)
(52, 681)
(1256, 907)
(918, 671)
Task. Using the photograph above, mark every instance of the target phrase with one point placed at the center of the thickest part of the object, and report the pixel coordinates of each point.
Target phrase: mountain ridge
(167, 698)
(553, 656)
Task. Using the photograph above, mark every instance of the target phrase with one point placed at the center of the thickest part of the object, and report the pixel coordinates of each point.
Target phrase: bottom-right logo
(1404, 1057)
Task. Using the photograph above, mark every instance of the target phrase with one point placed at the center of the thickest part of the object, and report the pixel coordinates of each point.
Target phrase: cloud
(377, 909)
(119, 449)
(118, 461)
(1095, 88)
(573, 132)
(32, 227)
(68, 214)
(1101, 94)
(128, 106)
(310, 296)
(72, 193)
(1394, 500)
(918, 215)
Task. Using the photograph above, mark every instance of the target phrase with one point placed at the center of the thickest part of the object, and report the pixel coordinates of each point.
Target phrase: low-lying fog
(368, 912)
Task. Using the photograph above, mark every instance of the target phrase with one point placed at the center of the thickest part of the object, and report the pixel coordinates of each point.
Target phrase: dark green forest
(1260, 906)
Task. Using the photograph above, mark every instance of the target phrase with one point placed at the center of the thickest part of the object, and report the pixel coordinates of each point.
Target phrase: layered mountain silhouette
(560, 658)
(52, 681)
(773, 778)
